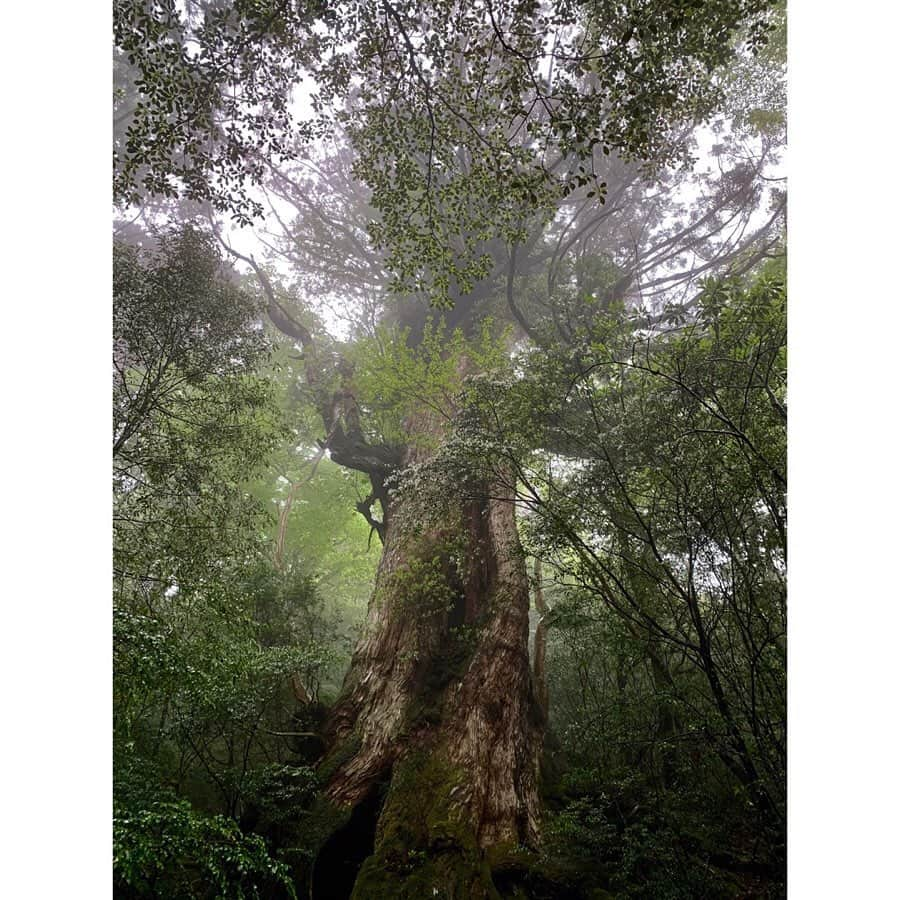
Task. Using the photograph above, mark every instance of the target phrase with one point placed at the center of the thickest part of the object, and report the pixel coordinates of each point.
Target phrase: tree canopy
(465, 117)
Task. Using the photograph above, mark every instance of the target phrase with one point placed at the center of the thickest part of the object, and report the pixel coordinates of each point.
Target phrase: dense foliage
(465, 117)
(649, 461)
(500, 308)
(213, 643)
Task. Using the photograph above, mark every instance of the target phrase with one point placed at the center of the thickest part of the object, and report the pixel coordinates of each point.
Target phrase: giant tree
(471, 131)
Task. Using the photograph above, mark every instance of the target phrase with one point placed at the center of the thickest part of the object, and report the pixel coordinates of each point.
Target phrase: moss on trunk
(424, 845)
(439, 703)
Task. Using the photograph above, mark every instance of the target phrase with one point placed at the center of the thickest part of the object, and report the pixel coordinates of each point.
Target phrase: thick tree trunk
(439, 708)
(439, 704)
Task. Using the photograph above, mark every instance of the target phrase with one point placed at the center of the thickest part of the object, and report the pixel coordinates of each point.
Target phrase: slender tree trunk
(540, 639)
(439, 711)
(667, 717)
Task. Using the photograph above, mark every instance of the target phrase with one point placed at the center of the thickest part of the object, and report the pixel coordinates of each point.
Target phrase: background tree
(205, 641)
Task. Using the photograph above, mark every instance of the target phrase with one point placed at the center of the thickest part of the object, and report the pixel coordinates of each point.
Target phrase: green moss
(420, 813)
(447, 667)
(509, 856)
(324, 819)
(523, 874)
(445, 876)
(425, 847)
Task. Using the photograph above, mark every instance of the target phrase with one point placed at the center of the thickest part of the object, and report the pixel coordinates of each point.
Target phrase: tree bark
(439, 706)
